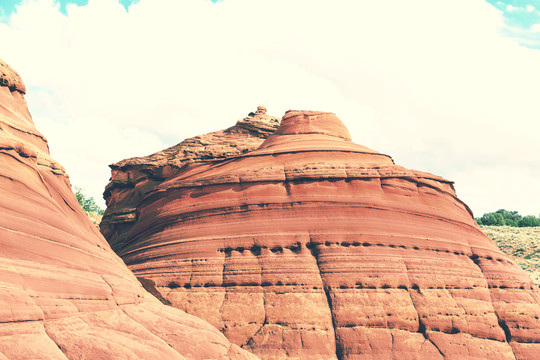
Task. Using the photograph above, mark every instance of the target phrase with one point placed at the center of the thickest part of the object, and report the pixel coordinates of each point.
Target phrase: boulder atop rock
(314, 247)
(64, 294)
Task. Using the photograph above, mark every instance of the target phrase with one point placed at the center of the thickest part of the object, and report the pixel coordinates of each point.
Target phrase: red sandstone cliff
(132, 179)
(64, 294)
(313, 247)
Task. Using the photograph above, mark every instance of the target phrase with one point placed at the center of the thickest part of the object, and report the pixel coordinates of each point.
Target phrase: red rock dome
(64, 294)
(312, 122)
(313, 247)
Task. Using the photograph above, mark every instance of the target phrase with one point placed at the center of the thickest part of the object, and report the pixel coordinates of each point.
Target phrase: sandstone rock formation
(313, 247)
(133, 178)
(64, 294)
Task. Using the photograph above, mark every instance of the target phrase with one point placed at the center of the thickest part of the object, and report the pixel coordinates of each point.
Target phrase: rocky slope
(132, 179)
(313, 247)
(520, 244)
(64, 294)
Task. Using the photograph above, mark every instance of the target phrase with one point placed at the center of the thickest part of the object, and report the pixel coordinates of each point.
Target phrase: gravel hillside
(521, 244)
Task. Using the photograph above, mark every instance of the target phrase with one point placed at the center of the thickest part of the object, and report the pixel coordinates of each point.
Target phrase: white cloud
(529, 37)
(511, 8)
(433, 83)
(528, 8)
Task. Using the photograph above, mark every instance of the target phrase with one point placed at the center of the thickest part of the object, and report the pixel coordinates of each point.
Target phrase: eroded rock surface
(132, 179)
(313, 247)
(64, 294)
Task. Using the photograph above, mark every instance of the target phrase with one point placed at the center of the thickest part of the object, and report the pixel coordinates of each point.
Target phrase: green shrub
(529, 220)
(509, 218)
(532, 255)
(492, 219)
(512, 223)
(87, 203)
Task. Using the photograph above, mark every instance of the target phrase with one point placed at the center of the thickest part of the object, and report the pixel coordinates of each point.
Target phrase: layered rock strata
(132, 179)
(64, 294)
(313, 247)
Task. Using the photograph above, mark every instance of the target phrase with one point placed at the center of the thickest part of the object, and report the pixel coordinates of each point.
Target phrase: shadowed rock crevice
(315, 252)
(250, 344)
(421, 326)
(477, 260)
(507, 333)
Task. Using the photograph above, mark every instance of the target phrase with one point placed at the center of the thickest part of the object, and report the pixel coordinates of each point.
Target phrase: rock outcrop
(132, 179)
(64, 294)
(313, 247)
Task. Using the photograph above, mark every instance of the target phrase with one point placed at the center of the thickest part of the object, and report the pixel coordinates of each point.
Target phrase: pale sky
(447, 87)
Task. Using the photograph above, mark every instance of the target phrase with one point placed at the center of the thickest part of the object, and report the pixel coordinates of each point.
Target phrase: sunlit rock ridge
(313, 247)
(132, 179)
(64, 294)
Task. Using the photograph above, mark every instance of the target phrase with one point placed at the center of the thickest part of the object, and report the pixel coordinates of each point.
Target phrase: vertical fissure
(508, 335)
(51, 337)
(421, 326)
(251, 340)
(315, 252)
(505, 328)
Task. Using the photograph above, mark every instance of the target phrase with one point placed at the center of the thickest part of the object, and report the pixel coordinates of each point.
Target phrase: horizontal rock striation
(64, 294)
(132, 179)
(313, 247)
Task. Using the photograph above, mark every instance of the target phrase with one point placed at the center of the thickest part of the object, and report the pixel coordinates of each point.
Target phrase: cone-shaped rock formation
(313, 247)
(64, 294)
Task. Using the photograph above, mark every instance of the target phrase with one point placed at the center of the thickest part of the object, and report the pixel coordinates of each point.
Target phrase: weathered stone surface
(312, 247)
(132, 179)
(64, 294)
(10, 79)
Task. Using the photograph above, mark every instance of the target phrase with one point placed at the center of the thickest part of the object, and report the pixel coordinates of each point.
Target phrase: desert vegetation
(517, 236)
(521, 244)
(504, 217)
(89, 205)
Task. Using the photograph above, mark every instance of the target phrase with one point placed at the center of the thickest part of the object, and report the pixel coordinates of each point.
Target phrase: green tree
(87, 203)
(512, 223)
(511, 218)
(494, 219)
(529, 220)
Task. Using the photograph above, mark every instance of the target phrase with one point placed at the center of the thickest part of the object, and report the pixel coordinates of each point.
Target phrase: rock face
(64, 294)
(313, 247)
(133, 178)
